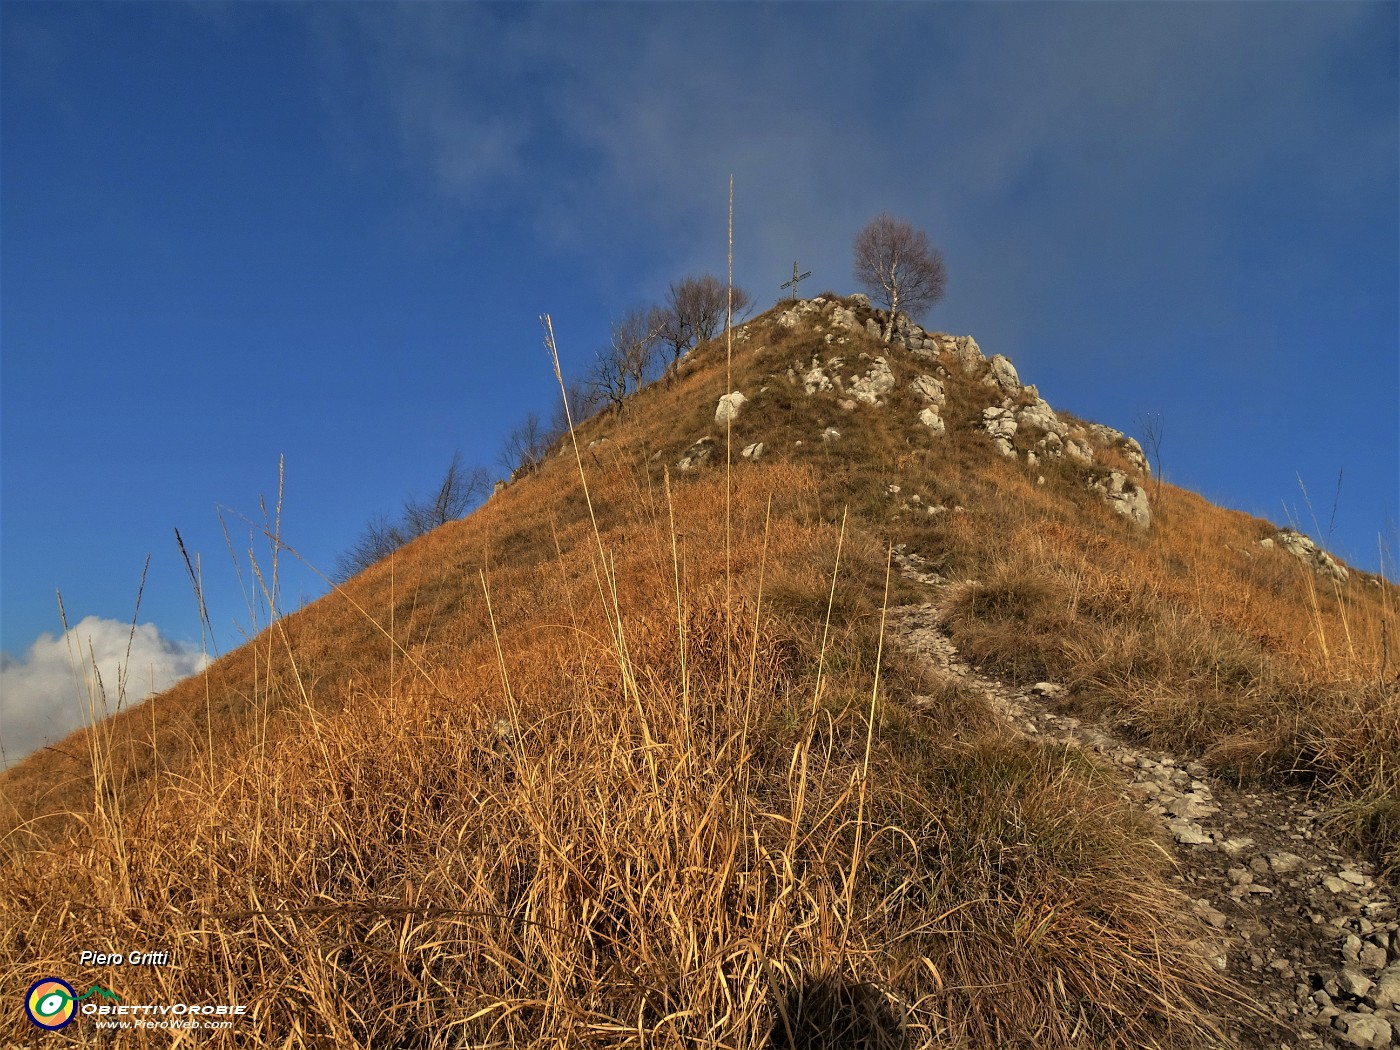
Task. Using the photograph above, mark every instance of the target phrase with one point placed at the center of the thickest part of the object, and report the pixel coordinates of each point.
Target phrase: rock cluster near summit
(1019, 422)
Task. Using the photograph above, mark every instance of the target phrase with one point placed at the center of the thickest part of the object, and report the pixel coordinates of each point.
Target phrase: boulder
(1365, 1030)
(879, 380)
(1040, 416)
(929, 388)
(1003, 374)
(859, 299)
(930, 418)
(1126, 498)
(1078, 449)
(1134, 454)
(729, 406)
(815, 378)
(844, 317)
(753, 451)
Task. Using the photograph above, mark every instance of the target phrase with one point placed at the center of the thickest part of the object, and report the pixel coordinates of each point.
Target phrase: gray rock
(729, 406)
(966, 350)
(859, 299)
(1126, 498)
(1365, 1030)
(1311, 554)
(930, 418)
(1386, 993)
(929, 388)
(815, 378)
(1003, 374)
(1372, 958)
(1187, 832)
(1132, 451)
(878, 381)
(1352, 982)
(1078, 449)
(999, 422)
(754, 451)
(873, 328)
(1039, 415)
(831, 434)
(842, 317)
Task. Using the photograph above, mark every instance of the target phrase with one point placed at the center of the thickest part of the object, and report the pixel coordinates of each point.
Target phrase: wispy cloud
(45, 695)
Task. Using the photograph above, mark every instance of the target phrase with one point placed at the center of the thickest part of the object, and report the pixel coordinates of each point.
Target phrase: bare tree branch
(459, 491)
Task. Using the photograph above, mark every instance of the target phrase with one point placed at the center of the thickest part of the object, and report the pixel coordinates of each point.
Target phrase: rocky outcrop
(1303, 548)
(1002, 373)
(1018, 421)
(874, 384)
(729, 406)
(1127, 498)
(930, 389)
(1000, 424)
(966, 350)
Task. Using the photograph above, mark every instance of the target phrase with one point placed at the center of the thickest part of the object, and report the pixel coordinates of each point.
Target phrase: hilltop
(833, 688)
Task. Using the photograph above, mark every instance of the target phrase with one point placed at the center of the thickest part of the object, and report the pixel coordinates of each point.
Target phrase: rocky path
(1295, 920)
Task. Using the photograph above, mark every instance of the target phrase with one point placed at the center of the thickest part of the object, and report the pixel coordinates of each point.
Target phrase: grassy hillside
(624, 758)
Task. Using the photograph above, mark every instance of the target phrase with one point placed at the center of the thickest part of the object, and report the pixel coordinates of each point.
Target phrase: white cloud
(44, 696)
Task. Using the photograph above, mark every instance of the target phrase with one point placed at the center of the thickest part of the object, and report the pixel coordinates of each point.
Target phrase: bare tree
(525, 446)
(583, 402)
(899, 268)
(459, 491)
(1150, 423)
(623, 366)
(695, 309)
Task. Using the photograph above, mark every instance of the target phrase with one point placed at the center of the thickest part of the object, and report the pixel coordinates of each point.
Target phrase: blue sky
(233, 233)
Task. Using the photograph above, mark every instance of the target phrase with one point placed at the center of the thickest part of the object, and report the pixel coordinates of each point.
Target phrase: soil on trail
(1299, 923)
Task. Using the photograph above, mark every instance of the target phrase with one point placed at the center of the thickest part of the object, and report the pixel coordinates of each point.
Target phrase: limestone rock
(815, 378)
(1310, 553)
(1000, 424)
(1040, 416)
(753, 451)
(1078, 449)
(930, 418)
(966, 350)
(830, 434)
(1132, 451)
(844, 317)
(729, 406)
(1003, 374)
(879, 380)
(1126, 498)
(1386, 994)
(872, 328)
(929, 388)
(1365, 1030)
(859, 299)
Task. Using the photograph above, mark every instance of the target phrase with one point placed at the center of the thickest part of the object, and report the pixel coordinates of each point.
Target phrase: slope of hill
(882, 702)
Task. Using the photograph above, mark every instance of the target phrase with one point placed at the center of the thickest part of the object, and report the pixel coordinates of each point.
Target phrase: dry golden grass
(632, 766)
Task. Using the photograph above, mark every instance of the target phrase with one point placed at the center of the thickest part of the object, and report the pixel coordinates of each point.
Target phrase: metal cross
(795, 278)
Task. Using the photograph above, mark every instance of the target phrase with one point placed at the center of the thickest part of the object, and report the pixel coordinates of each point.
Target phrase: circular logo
(50, 1003)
